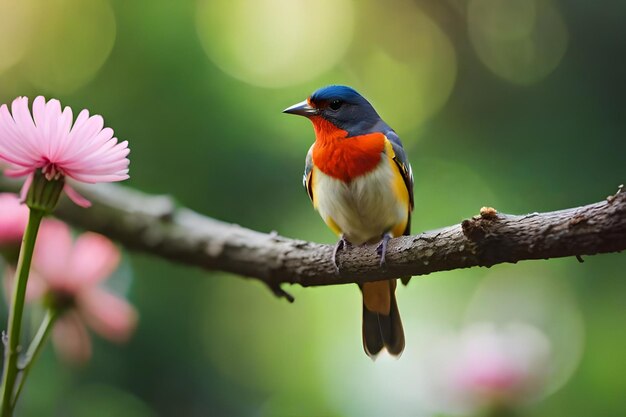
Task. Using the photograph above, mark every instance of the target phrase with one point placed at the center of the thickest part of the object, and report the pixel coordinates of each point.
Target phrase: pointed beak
(302, 109)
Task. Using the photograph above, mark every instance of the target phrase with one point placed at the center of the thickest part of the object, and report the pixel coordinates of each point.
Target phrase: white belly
(364, 209)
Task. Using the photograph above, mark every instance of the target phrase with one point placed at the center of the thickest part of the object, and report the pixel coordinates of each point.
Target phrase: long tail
(382, 327)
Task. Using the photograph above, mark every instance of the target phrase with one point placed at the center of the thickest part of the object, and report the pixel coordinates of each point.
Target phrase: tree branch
(157, 225)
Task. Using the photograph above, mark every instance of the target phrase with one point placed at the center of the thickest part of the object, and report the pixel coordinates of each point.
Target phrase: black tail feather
(383, 331)
(372, 337)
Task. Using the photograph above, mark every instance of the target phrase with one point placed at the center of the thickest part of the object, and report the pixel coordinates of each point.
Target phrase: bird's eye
(335, 104)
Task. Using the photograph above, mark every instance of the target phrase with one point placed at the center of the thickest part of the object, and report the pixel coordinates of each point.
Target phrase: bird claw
(341, 244)
(381, 250)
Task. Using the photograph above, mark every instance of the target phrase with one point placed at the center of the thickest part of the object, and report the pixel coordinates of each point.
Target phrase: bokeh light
(252, 42)
(71, 41)
(409, 66)
(521, 41)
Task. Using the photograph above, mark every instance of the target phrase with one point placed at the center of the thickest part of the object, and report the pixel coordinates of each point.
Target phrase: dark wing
(308, 171)
(402, 161)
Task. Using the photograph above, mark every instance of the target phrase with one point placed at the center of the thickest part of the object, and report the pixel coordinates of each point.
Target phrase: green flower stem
(35, 349)
(11, 348)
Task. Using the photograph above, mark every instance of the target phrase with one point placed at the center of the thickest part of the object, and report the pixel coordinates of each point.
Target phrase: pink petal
(92, 179)
(101, 144)
(12, 147)
(15, 172)
(93, 258)
(81, 120)
(39, 111)
(78, 199)
(51, 130)
(40, 119)
(26, 187)
(81, 136)
(13, 219)
(113, 156)
(62, 133)
(103, 168)
(26, 126)
(52, 255)
(110, 316)
(71, 340)
(35, 289)
(89, 144)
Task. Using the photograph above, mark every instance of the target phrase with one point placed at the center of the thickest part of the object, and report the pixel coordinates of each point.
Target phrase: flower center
(51, 171)
(60, 299)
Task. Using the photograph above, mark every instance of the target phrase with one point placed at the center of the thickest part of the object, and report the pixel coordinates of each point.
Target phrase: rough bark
(157, 225)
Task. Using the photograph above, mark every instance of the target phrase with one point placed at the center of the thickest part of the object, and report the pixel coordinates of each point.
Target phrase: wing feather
(308, 174)
(402, 161)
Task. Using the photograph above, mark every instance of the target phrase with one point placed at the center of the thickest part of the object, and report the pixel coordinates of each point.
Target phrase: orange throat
(343, 157)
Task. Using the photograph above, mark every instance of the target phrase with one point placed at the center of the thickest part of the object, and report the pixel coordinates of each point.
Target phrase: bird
(360, 181)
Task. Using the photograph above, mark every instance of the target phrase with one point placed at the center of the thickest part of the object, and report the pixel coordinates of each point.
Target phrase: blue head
(343, 107)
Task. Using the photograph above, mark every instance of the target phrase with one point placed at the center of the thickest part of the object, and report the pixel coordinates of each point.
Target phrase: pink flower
(487, 367)
(71, 272)
(13, 219)
(86, 152)
(508, 365)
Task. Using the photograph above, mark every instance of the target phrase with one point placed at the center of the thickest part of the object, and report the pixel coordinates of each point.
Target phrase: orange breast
(344, 157)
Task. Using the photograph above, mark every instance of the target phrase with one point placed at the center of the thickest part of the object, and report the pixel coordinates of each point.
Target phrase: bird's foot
(381, 250)
(341, 244)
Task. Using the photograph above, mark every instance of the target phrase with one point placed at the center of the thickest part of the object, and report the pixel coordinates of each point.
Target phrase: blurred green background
(515, 104)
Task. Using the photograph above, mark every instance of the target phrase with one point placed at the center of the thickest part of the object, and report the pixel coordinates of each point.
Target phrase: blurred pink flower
(13, 219)
(489, 367)
(86, 152)
(508, 365)
(70, 272)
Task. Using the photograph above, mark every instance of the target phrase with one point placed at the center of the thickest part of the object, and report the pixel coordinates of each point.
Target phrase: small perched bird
(360, 181)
